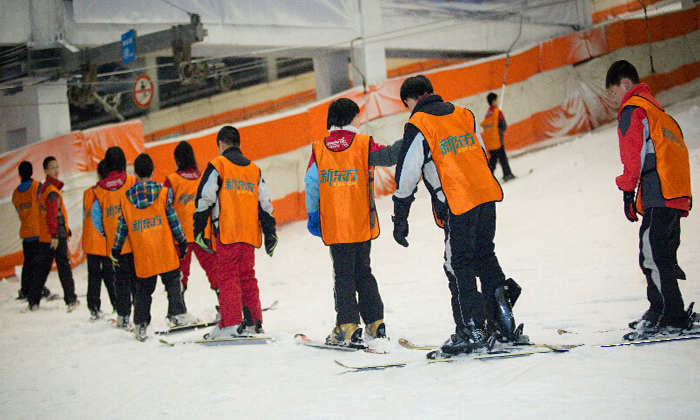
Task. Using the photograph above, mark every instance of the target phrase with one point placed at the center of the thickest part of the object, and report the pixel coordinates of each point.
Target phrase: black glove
(400, 219)
(630, 206)
(182, 249)
(270, 243)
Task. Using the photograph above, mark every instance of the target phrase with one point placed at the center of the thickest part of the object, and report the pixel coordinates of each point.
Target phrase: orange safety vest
(345, 182)
(184, 193)
(93, 242)
(238, 202)
(44, 235)
(672, 160)
(490, 135)
(27, 205)
(110, 202)
(461, 161)
(150, 234)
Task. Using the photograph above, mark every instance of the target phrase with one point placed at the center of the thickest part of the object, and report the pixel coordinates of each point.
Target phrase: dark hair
(48, 160)
(102, 171)
(415, 87)
(620, 70)
(116, 161)
(25, 170)
(491, 97)
(341, 112)
(184, 156)
(143, 166)
(229, 135)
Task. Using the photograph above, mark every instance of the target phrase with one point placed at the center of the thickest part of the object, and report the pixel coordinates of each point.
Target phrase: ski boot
(650, 315)
(471, 339)
(346, 335)
(70, 307)
(123, 322)
(140, 332)
(377, 329)
(182, 319)
(95, 314)
(225, 332)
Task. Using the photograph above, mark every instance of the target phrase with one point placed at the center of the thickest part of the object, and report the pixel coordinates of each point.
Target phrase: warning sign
(142, 91)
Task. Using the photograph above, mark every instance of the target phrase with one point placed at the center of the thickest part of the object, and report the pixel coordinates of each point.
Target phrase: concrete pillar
(331, 72)
(46, 23)
(152, 72)
(271, 67)
(368, 54)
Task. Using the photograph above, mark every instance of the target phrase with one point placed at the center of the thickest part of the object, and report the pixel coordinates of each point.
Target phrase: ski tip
(563, 332)
(166, 343)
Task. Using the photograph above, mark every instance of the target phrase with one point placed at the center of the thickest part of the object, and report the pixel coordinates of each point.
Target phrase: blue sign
(128, 46)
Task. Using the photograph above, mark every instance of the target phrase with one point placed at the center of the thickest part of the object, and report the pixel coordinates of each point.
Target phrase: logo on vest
(338, 178)
(25, 206)
(239, 187)
(145, 225)
(457, 144)
(185, 198)
(113, 211)
(671, 136)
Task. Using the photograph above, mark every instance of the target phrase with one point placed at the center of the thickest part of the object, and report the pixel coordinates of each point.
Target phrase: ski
(222, 341)
(553, 347)
(303, 339)
(690, 335)
(271, 307)
(499, 354)
(181, 328)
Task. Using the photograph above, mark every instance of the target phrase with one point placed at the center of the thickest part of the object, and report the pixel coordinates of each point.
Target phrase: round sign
(142, 91)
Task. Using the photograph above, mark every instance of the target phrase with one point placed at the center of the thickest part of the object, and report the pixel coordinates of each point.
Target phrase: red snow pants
(238, 287)
(206, 260)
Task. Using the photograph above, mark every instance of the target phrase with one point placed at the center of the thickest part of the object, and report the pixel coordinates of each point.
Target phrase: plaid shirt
(142, 195)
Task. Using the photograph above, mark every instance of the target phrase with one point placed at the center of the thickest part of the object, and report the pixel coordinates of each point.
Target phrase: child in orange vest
(494, 125)
(150, 223)
(95, 248)
(233, 194)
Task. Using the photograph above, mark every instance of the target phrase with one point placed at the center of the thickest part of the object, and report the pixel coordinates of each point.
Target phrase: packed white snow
(561, 235)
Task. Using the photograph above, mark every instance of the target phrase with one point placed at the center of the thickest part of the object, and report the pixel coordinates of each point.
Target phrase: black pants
(659, 239)
(144, 288)
(469, 253)
(499, 155)
(355, 288)
(30, 251)
(65, 274)
(99, 270)
(124, 280)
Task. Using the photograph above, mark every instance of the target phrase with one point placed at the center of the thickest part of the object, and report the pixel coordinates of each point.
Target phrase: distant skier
(656, 164)
(442, 145)
(183, 185)
(340, 206)
(53, 240)
(494, 125)
(233, 194)
(150, 224)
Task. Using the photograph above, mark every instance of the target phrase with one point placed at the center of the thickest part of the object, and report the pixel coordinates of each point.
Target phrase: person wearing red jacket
(53, 240)
(656, 164)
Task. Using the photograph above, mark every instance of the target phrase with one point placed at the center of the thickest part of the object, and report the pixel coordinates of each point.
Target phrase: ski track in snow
(561, 235)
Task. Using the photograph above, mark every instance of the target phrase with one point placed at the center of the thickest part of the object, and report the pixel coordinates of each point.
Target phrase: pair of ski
(521, 350)
(182, 328)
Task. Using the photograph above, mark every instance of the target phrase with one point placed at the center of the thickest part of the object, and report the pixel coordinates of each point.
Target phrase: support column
(152, 72)
(271, 67)
(368, 54)
(331, 73)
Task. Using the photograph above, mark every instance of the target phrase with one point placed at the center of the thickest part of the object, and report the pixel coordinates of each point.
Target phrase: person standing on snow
(26, 201)
(146, 210)
(53, 240)
(442, 144)
(183, 188)
(99, 267)
(233, 194)
(340, 206)
(494, 125)
(656, 164)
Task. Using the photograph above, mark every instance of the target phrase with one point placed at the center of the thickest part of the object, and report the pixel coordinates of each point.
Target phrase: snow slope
(561, 235)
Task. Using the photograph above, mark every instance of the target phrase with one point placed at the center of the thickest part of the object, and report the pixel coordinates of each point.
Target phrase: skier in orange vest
(494, 125)
(656, 164)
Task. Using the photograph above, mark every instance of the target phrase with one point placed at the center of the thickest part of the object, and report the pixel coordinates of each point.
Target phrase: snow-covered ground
(561, 235)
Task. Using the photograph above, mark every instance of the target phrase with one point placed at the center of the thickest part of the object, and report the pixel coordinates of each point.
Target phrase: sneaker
(218, 332)
(345, 335)
(508, 177)
(70, 307)
(123, 322)
(95, 314)
(650, 315)
(33, 307)
(377, 329)
(182, 319)
(468, 340)
(644, 329)
(140, 332)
